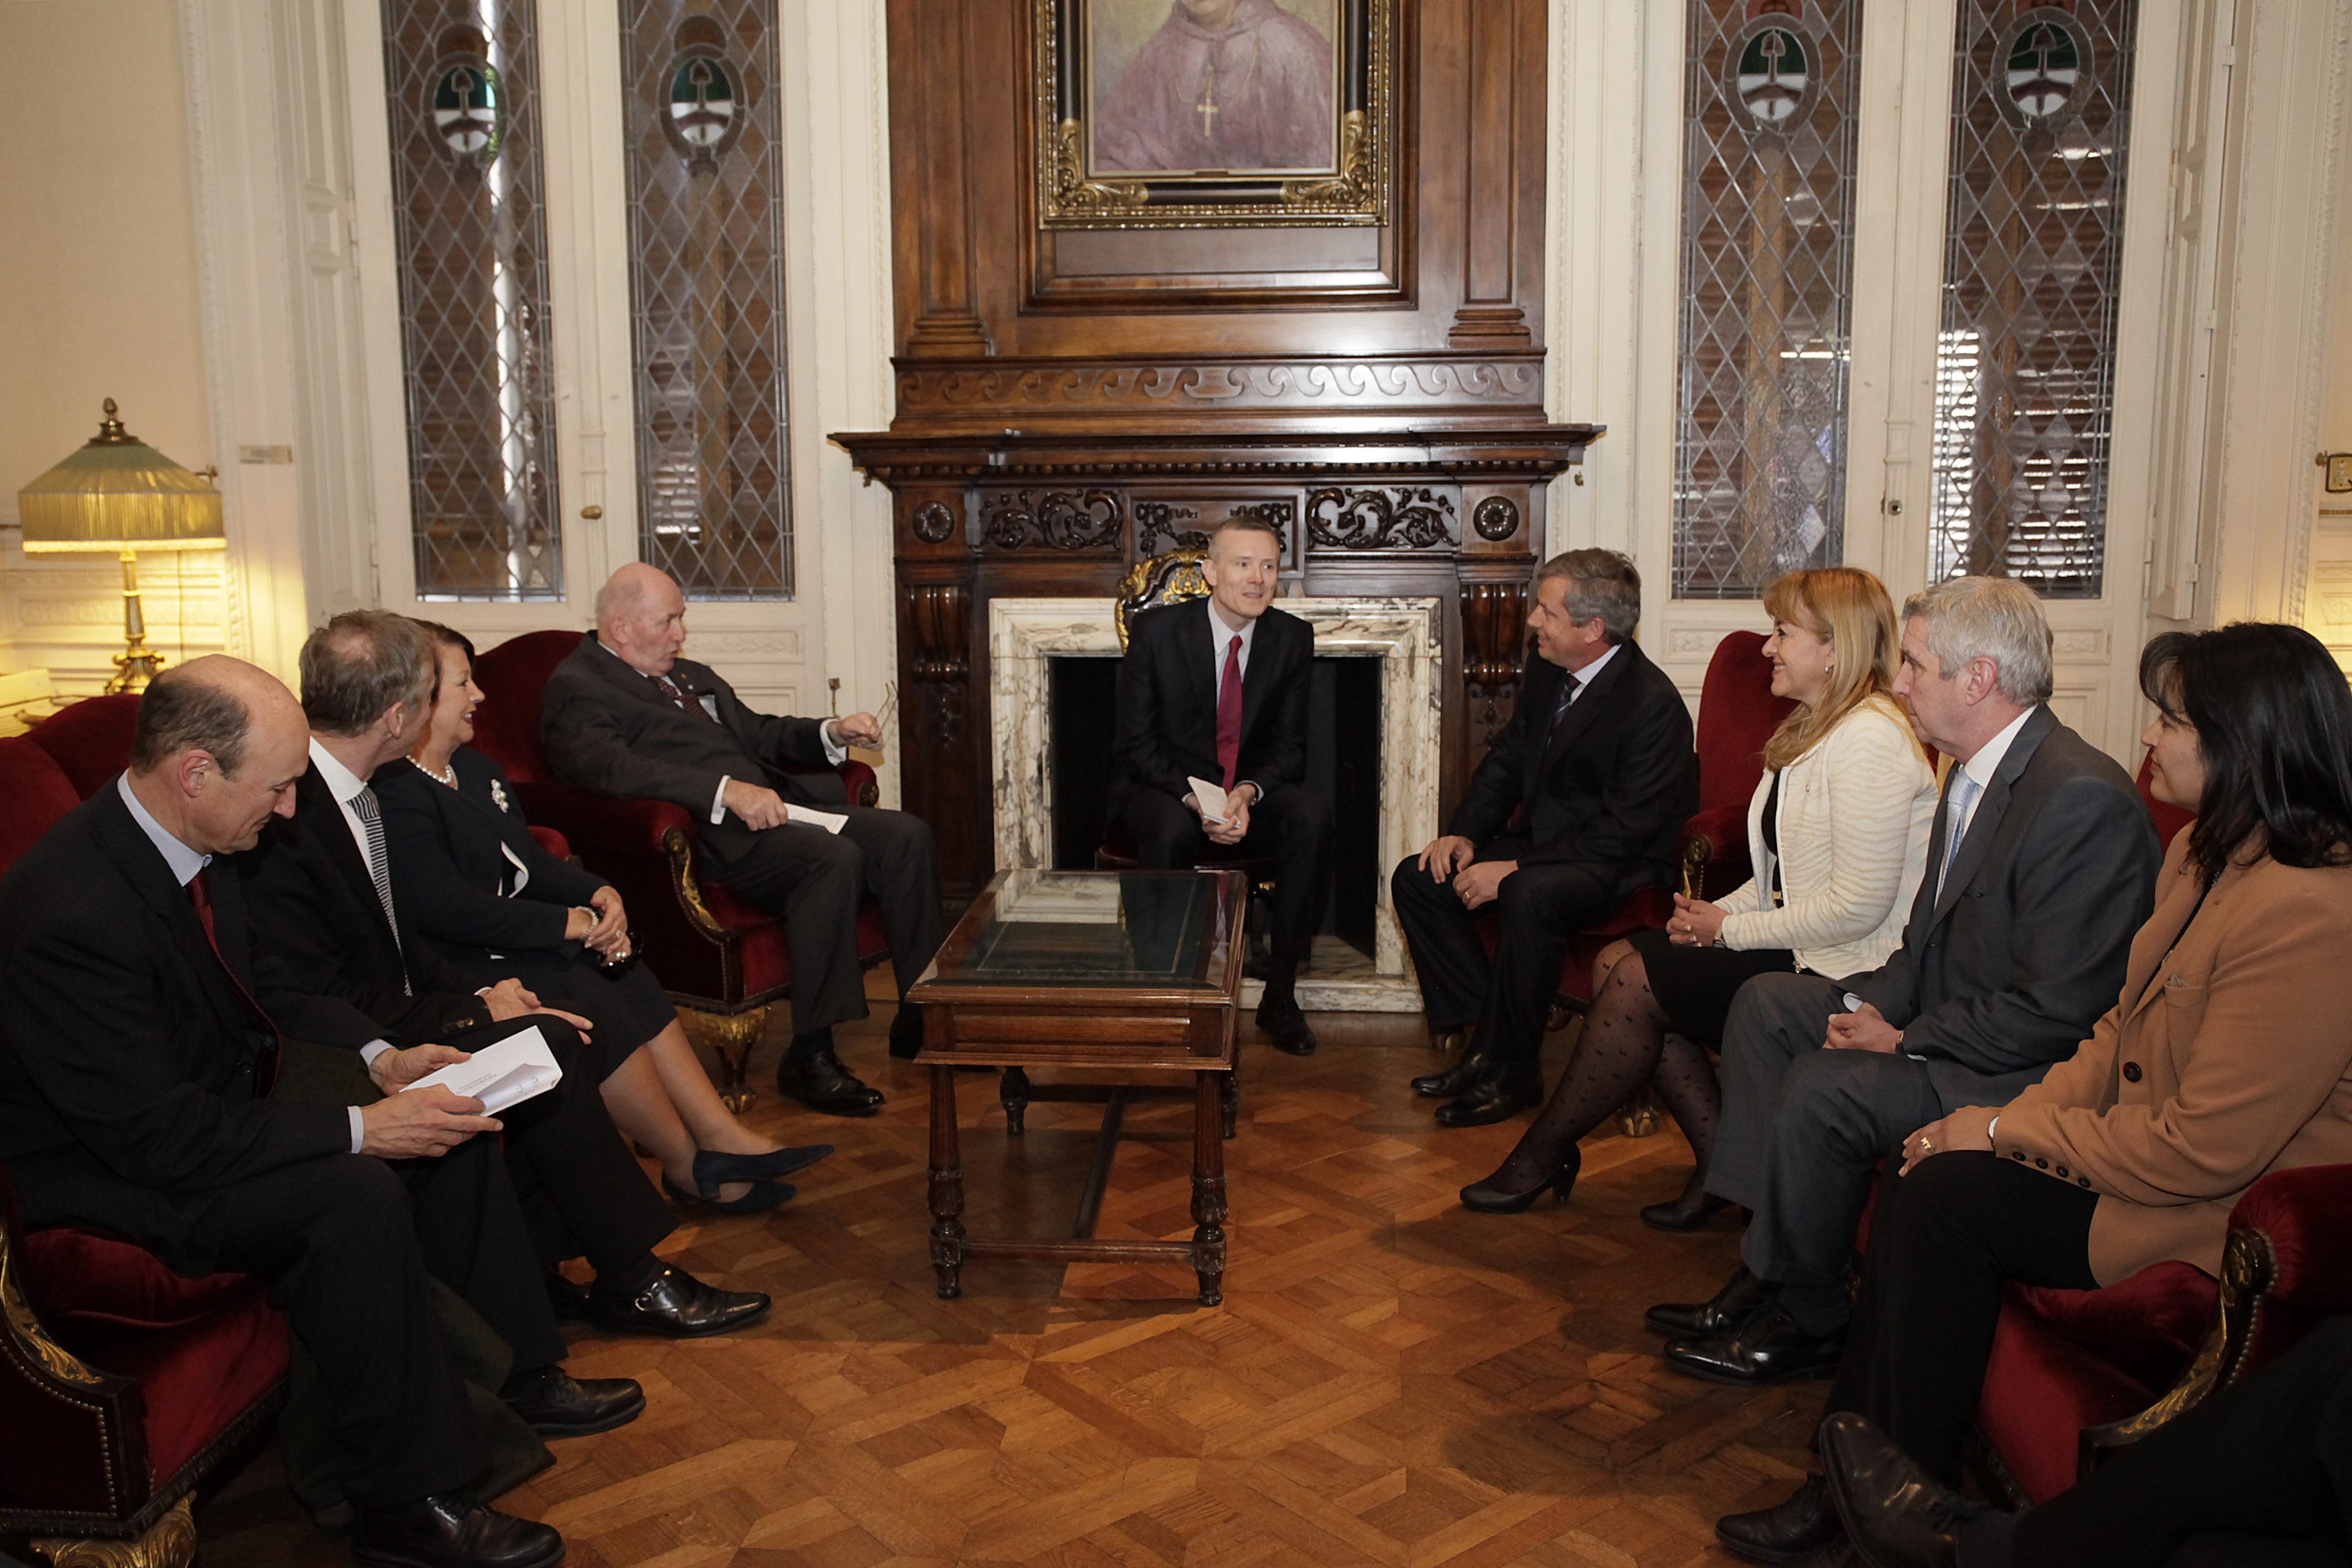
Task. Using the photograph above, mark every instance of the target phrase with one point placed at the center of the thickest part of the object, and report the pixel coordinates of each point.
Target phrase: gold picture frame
(1100, 152)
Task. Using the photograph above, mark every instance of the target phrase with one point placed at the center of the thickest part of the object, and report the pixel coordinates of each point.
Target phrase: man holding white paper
(625, 715)
(340, 963)
(1211, 747)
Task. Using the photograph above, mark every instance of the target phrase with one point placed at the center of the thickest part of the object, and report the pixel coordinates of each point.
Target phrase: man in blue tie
(2040, 866)
(1579, 801)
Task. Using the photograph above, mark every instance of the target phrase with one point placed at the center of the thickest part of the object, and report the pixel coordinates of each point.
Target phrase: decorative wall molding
(1382, 383)
(1413, 518)
(1053, 520)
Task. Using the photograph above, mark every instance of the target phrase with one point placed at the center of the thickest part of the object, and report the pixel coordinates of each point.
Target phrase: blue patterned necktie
(1964, 793)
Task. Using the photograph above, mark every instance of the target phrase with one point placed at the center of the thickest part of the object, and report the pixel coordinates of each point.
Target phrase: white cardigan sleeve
(1872, 773)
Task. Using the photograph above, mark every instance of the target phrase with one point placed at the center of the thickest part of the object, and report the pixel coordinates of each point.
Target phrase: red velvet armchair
(723, 962)
(2077, 1374)
(126, 1384)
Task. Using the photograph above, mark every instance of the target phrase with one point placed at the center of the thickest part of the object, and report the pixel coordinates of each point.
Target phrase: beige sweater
(1854, 815)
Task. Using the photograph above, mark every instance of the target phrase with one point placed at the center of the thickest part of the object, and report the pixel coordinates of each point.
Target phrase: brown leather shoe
(1787, 1530)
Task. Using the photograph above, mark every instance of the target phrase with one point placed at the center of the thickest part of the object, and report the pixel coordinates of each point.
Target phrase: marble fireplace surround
(1402, 633)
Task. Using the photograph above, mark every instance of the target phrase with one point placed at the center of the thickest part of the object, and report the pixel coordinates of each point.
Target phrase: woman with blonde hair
(1837, 832)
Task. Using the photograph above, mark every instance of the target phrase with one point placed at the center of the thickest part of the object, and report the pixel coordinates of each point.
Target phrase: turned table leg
(947, 1184)
(1230, 1097)
(1208, 1185)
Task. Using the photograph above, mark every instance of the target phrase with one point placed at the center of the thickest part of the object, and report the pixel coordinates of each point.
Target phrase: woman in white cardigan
(1837, 833)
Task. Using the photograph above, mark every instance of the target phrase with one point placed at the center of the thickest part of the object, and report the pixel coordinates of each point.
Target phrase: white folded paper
(1046, 899)
(1214, 807)
(808, 817)
(500, 1075)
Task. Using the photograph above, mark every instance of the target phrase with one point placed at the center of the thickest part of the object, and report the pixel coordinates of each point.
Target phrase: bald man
(625, 715)
(144, 1092)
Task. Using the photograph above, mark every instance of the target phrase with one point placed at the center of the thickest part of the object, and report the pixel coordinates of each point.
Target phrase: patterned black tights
(1626, 1043)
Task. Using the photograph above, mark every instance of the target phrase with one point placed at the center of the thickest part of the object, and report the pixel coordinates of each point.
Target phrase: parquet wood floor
(1391, 1380)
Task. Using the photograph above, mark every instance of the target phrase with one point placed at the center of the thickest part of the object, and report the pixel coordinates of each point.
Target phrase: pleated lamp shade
(116, 493)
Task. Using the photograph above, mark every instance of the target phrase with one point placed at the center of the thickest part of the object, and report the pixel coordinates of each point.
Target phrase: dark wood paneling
(1071, 401)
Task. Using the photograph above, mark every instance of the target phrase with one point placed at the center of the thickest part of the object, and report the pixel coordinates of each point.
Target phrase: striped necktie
(1964, 795)
(379, 859)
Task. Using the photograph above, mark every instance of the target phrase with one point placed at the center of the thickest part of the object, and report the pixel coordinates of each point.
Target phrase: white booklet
(1214, 807)
(503, 1074)
(808, 817)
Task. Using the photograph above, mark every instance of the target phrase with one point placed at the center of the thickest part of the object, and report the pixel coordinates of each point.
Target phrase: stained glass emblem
(469, 108)
(1772, 72)
(702, 121)
(2048, 54)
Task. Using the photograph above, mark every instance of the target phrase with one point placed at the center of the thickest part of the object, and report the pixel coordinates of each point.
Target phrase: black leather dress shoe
(448, 1531)
(818, 1080)
(1495, 1096)
(1680, 1217)
(1278, 1016)
(713, 1169)
(1785, 1531)
(1897, 1515)
(554, 1403)
(1768, 1348)
(907, 1031)
(675, 1305)
(1453, 1080)
(1721, 1313)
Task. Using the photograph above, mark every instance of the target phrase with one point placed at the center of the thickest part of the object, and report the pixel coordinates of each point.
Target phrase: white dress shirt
(1584, 677)
(1981, 769)
(184, 864)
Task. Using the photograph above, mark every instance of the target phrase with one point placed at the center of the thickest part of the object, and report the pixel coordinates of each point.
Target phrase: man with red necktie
(1215, 688)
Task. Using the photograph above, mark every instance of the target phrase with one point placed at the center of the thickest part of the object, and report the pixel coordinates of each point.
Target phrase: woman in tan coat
(2227, 1055)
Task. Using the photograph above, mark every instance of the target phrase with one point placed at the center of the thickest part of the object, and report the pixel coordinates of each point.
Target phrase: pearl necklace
(447, 775)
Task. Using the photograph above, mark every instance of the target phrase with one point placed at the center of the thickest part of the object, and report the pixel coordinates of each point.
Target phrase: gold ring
(1925, 1147)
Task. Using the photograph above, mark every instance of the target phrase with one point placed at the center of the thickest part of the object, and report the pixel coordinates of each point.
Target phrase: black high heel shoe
(1681, 1216)
(712, 1168)
(763, 1196)
(1487, 1198)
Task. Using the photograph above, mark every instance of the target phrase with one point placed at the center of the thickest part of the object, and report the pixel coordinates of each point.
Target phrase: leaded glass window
(707, 279)
(470, 227)
(1767, 273)
(2032, 250)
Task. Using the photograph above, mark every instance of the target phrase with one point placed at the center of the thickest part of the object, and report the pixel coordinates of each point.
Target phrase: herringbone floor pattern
(1391, 1380)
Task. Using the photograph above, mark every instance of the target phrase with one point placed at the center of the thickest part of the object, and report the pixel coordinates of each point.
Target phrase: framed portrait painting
(1200, 113)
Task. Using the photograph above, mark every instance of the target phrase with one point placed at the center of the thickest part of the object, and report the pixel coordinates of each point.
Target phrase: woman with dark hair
(2228, 1055)
(1837, 833)
(496, 903)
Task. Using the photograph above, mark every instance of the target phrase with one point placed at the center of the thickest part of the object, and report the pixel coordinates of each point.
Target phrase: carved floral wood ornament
(1233, 112)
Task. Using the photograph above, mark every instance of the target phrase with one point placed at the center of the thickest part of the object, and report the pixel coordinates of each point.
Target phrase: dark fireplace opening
(1343, 765)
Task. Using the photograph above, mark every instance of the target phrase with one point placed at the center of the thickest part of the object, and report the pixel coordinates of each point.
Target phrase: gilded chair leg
(1638, 1117)
(169, 1542)
(1448, 1040)
(730, 1038)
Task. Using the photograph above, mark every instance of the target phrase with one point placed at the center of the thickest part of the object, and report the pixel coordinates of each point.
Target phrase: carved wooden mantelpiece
(1455, 514)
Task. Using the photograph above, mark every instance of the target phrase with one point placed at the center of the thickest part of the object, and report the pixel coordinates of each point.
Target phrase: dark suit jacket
(609, 729)
(1168, 701)
(2004, 968)
(329, 967)
(1611, 788)
(126, 1086)
(449, 853)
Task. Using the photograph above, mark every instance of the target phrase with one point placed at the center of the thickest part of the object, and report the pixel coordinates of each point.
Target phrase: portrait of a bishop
(1244, 86)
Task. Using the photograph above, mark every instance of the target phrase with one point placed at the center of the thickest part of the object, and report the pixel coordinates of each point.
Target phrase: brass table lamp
(117, 493)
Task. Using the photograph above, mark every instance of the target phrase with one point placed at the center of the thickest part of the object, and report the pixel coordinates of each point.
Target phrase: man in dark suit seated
(340, 963)
(1581, 801)
(143, 1091)
(625, 715)
(2040, 866)
(1216, 689)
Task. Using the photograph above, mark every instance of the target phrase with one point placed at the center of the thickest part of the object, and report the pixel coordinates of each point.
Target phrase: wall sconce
(2339, 471)
(117, 493)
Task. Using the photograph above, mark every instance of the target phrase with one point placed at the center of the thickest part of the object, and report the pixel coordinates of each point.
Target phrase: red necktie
(265, 1057)
(670, 689)
(1229, 712)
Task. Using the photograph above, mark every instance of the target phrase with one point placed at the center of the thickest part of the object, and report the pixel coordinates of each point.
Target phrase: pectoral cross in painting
(1208, 108)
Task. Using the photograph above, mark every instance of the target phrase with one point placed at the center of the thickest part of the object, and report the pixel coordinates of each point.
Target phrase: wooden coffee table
(1098, 971)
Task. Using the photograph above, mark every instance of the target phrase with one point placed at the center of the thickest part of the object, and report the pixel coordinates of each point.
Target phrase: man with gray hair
(2040, 866)
(1579, 801)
